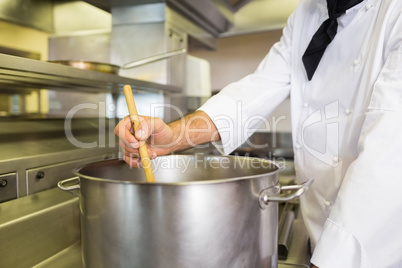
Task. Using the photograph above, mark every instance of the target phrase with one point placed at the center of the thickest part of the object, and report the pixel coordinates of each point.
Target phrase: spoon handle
(146, 162)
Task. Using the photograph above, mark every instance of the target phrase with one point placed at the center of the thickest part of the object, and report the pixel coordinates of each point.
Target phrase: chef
(341, 63)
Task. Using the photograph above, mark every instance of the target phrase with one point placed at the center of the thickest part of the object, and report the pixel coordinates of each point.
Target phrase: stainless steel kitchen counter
(68, 258)
(35, 153)
(36, 227)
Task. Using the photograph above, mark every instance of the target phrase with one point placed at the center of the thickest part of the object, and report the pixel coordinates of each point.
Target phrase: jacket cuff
(337, 247)
(225, 125)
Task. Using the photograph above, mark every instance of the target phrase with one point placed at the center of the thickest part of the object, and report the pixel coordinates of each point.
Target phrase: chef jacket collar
(346, 18)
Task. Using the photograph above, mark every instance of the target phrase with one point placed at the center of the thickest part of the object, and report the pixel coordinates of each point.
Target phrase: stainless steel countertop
(68, 258)
(28, 146)
(36, 227)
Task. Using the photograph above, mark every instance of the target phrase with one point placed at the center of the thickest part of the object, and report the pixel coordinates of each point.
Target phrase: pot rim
(184, 183)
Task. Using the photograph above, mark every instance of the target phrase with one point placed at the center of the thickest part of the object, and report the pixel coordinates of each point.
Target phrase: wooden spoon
(146, 162)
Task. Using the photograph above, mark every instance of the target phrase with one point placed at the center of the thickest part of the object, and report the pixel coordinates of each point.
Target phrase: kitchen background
(76, 30)
(55, 118)
(225, 42)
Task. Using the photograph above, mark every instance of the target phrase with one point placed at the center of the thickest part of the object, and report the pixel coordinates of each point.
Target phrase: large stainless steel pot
(203, 211)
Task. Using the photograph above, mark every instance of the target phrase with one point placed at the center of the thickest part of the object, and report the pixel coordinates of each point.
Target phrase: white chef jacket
(346, 127)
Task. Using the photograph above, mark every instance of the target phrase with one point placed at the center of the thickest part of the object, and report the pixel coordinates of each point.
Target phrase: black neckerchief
(325, 34)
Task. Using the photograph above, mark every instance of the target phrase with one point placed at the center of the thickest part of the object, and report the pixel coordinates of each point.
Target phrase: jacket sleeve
(364, 227)
(243, 106)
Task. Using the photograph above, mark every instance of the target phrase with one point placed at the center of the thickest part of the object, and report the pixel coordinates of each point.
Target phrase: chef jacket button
(297, 146)
(356, 62)
(305, 105)
(369, 6)
(327, 203)
(335, 159)
(348, 112)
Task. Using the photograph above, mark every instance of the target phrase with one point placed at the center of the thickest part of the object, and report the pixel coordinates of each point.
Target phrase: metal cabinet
(47, 177)
(8, 186)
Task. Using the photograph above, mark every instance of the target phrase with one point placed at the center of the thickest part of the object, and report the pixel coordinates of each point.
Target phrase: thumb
(143, 130)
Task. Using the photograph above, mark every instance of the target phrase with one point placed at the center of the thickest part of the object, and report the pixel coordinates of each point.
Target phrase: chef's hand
(157, 135)
(161, 139)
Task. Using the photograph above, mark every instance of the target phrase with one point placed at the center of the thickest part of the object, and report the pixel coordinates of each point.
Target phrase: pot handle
(300, 189)
(60, 184)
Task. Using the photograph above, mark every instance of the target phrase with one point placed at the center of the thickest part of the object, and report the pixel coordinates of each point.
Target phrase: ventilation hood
(233, 5)
(222, 18)
(203, 13)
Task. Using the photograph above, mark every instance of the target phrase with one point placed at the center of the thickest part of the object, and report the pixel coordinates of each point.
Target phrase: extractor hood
(233, 5)
(214, 16)
(222, 17)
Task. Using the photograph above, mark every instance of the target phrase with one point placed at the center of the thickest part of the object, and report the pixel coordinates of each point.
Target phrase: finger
(148, 127)
(129, 151)
(133, 162)
(124, 131)
(152, 154)
(129, 146)
(119, 128)
(134, 153)
(131, 154)
(144, 128)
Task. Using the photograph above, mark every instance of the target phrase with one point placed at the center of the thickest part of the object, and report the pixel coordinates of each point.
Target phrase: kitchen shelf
(27, 140)
(18, 73)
